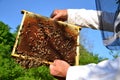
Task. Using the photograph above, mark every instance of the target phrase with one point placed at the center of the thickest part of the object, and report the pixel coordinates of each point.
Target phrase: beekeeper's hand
(59, 68)
(60, 15)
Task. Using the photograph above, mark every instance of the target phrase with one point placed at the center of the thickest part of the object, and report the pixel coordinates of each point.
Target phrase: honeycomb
(42, 39)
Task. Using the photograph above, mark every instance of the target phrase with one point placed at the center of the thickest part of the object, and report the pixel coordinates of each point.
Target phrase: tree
(6, 40)
(87, 57)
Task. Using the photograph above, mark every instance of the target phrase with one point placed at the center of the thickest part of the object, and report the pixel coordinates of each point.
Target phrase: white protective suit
(105, 70)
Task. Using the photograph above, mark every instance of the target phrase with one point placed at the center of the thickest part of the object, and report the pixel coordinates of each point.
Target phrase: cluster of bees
(43, 39)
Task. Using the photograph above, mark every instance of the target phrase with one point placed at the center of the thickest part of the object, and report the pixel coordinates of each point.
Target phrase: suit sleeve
(90, 19)
(105, 70)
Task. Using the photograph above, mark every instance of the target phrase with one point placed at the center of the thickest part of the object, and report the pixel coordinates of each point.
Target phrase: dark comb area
(42, 39)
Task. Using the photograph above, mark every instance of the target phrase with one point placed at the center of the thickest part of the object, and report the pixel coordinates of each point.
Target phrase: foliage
(86, 57)
(6, 39)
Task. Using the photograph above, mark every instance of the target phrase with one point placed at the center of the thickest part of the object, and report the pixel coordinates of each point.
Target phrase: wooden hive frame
(72, 28)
